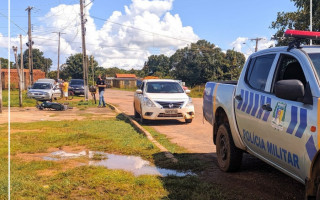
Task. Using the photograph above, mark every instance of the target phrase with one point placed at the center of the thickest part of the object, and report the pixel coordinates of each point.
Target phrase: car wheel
(188, 121)
(229, 156)
(142, 120)
(136, 114)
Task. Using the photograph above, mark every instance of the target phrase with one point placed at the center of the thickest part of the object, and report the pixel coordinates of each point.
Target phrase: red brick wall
(37, 74)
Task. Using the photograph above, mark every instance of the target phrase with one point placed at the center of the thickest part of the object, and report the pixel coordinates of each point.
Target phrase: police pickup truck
(272, 112)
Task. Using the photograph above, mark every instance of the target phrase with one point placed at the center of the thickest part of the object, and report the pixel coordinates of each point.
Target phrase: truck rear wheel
(318, 193)
(229, 156)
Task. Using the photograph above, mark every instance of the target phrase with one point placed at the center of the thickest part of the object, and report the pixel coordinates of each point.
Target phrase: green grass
(88, 182)
(197, 91)
(77, 101)
(3, 162)
(14, 99)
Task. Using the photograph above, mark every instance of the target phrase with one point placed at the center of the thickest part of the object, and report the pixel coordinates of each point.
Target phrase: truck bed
(220, 96)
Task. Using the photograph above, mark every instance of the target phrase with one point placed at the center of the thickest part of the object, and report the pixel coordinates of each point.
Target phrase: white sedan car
(159, 99)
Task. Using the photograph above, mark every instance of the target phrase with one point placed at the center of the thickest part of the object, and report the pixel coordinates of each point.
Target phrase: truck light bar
(302, 34)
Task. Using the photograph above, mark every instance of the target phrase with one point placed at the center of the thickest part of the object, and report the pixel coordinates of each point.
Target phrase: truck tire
(188, 121)
(318, 189)
(229, 156)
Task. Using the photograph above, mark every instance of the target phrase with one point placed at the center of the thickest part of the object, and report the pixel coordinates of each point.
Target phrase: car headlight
(189, 102)
(148, 102)
(45, 93)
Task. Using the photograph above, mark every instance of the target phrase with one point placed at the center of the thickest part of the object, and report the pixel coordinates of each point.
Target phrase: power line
(13, 22)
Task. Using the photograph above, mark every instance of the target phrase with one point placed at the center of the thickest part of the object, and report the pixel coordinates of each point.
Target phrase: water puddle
(60, 155)
(133, 164)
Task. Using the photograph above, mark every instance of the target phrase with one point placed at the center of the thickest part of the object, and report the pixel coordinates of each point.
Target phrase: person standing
(65, 88)
(101, 84)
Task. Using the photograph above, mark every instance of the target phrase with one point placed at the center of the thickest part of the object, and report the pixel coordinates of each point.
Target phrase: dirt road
(255, 180)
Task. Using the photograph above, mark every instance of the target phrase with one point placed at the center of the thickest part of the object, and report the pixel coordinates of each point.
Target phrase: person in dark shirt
(101, 84)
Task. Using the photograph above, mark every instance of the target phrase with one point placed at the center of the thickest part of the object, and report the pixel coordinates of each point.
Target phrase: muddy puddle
(133, 164)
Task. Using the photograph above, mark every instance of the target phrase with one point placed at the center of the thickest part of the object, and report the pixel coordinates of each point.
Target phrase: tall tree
(298, 20)
(39, 61)
(4, 62)
(203, 61)
(73, 67)
(157, 65)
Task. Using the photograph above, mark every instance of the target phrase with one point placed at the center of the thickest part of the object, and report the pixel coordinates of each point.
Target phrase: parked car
(76, 86)
(159, 99)
(273, 112)
(44, 91)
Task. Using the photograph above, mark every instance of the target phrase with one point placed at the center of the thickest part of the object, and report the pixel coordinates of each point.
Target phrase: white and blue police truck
(272, 111)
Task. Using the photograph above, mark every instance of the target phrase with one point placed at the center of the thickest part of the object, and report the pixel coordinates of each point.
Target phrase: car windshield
(315, 57)
(164, 87)
(41, 86)
(76, 82)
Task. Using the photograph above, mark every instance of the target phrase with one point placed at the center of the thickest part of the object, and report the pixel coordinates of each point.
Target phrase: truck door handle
(238, 97)
(267, 107)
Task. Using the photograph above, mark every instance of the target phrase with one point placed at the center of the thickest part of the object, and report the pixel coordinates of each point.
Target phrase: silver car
(42, 91)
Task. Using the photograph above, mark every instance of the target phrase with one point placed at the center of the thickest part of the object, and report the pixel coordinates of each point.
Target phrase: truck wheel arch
(314, 180)
(219, 118)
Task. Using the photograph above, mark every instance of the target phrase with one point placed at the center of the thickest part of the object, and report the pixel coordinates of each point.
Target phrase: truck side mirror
(138, 91)
(290, 90)
(188, 91)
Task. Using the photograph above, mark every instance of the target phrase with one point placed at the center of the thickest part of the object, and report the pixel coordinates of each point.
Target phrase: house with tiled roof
(125, 81)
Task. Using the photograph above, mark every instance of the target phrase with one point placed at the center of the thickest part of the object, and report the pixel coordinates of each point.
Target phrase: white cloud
(125, 40)
(247, 46)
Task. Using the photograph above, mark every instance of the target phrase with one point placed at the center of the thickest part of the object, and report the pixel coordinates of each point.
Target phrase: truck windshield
(164, 87)
(315, 57)
(41, 86)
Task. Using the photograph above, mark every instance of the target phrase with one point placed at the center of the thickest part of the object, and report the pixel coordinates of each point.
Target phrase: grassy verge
(39, 179)
(3, 162)
(197, 91)
(14, 99)
(77, 101)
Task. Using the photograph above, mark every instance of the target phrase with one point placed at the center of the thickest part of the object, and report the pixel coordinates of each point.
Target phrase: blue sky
(226, 23)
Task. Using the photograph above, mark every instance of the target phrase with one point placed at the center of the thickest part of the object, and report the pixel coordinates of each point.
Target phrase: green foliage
(157, 65)
(52, 74)
(203, 62)
(39, 61)
(73, 69)
(4, 63)
(298, 20)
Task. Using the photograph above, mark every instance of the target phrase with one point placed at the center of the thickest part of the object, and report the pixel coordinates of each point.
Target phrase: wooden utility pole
(15, 49)
(257, 41)
(84, 56)
(93, 83)
(58, 68)
(0, 88)
(30, 45)
(21, 66)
